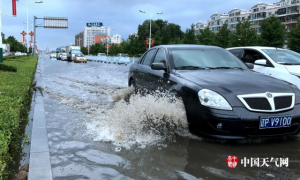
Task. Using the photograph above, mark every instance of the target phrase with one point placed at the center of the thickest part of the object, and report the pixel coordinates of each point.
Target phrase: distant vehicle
(53, 55)
(122, 59)
(276, 62)
(101, 54)
(71, 51)
(80, 58)
(59, 55)
(18, 54)
(222, 97)
(64, 57)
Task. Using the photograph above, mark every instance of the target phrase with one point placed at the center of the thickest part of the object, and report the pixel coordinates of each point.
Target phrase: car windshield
(286, 57)
(79, 55)
(64, 54)
(124, 55)
(205, 58)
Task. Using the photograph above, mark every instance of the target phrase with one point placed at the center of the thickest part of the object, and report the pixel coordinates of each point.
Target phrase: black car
(223, 97)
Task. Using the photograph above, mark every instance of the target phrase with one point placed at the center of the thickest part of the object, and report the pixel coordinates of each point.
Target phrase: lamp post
(27, 21)
(150, 25)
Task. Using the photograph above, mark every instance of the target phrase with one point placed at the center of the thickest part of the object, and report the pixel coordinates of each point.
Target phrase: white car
(53, 55)
(122, 59)
(18, 54)
(276, 62)
(64, 57)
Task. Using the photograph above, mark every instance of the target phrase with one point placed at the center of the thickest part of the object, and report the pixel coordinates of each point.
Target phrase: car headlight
(212, 99)
(298, 75)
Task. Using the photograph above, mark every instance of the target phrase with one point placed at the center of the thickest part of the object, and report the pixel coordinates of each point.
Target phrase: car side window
(250, 56)
(236, 52)
(148, 57)
(160, 57)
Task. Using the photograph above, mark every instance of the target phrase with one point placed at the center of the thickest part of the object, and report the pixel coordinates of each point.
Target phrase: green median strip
(16, 76)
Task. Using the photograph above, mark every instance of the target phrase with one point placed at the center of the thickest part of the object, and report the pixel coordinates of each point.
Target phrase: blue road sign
(97, 24)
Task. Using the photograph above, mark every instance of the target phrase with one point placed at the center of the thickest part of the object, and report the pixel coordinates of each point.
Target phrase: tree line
(272, 33)
(15, 46)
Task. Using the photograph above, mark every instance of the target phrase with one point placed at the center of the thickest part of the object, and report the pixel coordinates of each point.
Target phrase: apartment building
(89, 34)
(200, 25)
(286, 10)
(79, 39)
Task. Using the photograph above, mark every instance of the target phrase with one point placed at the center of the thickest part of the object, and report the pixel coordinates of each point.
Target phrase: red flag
(14, 7)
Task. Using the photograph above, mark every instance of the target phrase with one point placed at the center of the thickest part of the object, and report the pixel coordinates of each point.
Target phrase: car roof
(188, 46)
(254, 47)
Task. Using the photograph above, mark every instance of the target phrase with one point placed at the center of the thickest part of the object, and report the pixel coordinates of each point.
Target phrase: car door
(143, 69)
(159, 79)
(251, 55)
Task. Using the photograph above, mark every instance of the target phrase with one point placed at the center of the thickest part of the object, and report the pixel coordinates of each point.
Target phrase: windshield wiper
(224, 68)
(190, 67)
(289, 63)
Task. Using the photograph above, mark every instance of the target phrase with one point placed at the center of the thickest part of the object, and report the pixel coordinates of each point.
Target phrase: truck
(6, 49)
(71, 51)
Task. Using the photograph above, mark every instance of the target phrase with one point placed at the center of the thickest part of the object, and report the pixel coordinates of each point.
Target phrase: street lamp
(27, 20)
(150, 25)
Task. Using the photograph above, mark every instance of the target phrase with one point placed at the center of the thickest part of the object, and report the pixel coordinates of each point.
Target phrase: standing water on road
(95, 132)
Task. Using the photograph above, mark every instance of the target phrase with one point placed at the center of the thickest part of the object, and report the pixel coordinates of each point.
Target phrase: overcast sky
(123, 15)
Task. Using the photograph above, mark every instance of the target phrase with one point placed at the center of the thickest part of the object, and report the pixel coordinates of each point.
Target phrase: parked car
(276, 62)
(80, 58)
(122, 59)
(64, 57)
(18, 54)
(223, 98)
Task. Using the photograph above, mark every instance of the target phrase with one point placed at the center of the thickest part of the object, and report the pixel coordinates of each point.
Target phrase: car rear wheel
(132, 84)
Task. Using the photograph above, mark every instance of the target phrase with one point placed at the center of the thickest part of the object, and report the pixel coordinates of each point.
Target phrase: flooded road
(94, 134)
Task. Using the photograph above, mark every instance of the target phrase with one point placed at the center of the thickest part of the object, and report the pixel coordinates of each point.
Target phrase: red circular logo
(232, 161)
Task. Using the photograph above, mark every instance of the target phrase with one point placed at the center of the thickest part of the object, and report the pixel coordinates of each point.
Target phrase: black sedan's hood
(232, 82)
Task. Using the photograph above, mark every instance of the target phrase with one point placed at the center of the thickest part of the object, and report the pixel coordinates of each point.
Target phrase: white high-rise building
(90, 32)
(116, 39)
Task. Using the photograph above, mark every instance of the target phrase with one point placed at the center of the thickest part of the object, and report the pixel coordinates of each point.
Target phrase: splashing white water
(143, 120)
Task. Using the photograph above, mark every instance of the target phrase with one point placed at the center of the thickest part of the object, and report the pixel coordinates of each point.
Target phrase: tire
(132, 84)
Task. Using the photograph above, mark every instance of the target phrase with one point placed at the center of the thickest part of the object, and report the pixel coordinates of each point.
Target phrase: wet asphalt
(75, 93)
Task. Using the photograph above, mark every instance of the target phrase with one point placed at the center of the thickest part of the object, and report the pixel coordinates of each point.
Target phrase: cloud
(123, 15)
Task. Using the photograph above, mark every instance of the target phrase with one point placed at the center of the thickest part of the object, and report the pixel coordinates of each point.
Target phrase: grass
(16, 76)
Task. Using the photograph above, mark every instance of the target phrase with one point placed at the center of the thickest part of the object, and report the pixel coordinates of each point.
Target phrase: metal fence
(113, 59)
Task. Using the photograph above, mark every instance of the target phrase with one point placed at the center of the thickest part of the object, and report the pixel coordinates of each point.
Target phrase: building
(79, 39)
(99, 39)
(286, 10)
(89, 34)
(200, 25)
(115, 39)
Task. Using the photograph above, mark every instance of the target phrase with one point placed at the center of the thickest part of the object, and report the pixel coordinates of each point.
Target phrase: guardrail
(113, 59)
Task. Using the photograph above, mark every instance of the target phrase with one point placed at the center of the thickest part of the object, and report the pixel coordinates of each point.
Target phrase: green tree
(244, 35)
(206, 37)
(294, 37)
(189, 36)
(222, 39)
(84, 50)
(273, 32)
(15, 45)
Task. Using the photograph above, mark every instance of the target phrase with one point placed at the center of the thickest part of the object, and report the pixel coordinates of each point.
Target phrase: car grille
(251, 128)
(268, 102)
(258, 103)
(283, 102)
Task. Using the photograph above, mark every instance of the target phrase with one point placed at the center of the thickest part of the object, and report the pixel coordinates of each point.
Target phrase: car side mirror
(262, 62)
(250, 65)
(158, 66)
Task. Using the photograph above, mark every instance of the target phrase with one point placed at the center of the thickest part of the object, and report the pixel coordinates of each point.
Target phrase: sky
(123, 15)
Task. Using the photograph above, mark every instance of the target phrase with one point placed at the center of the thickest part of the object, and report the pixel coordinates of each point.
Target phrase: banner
(14, 7)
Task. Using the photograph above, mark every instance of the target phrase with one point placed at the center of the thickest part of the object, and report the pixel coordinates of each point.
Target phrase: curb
(39, 163)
